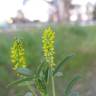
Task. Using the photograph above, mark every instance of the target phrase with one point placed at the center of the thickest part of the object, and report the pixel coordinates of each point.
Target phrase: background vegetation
(69, 39)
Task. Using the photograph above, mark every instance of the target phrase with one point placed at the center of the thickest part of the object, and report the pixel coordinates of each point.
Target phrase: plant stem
(53, 86)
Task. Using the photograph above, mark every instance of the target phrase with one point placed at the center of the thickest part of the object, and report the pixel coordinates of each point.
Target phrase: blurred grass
(69, 39)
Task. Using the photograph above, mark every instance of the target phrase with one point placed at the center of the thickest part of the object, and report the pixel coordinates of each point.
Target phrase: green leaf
(59, 74)
(70, 85)
(41, 85)
(24, 71)
(20, 81)
(75, 94)
(25, 83)
(28, 94)
(62, 62)
(39, 68)
(46, 73)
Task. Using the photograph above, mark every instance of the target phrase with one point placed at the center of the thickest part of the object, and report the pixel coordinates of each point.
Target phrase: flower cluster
(17, 54)
(48, 39)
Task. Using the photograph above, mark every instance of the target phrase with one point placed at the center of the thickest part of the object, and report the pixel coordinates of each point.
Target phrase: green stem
(53, 86)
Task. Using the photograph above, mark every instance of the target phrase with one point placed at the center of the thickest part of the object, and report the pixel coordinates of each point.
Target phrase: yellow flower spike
(17, 54)
(48, 40)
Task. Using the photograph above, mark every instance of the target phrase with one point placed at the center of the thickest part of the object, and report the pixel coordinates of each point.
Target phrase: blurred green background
(69, 39)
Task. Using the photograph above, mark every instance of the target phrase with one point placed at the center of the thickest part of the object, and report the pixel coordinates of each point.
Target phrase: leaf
(20, 81)
(41, 85)
(43, 72)
(28, 94)
(39, 68)
(74, 94)
(26, 83)
(70, 85)
(59, 74)
(24, 71)
(46, 73)
(62, 62)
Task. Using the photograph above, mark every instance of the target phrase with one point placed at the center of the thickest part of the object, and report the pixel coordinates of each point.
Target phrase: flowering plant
(45, 73)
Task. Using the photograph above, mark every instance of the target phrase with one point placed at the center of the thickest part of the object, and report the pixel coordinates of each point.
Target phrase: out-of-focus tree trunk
(64, 10)
(66, 13)
(94, 13)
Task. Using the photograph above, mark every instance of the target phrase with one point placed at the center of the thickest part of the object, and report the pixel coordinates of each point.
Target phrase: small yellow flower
(48, 40)
(17, 54)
